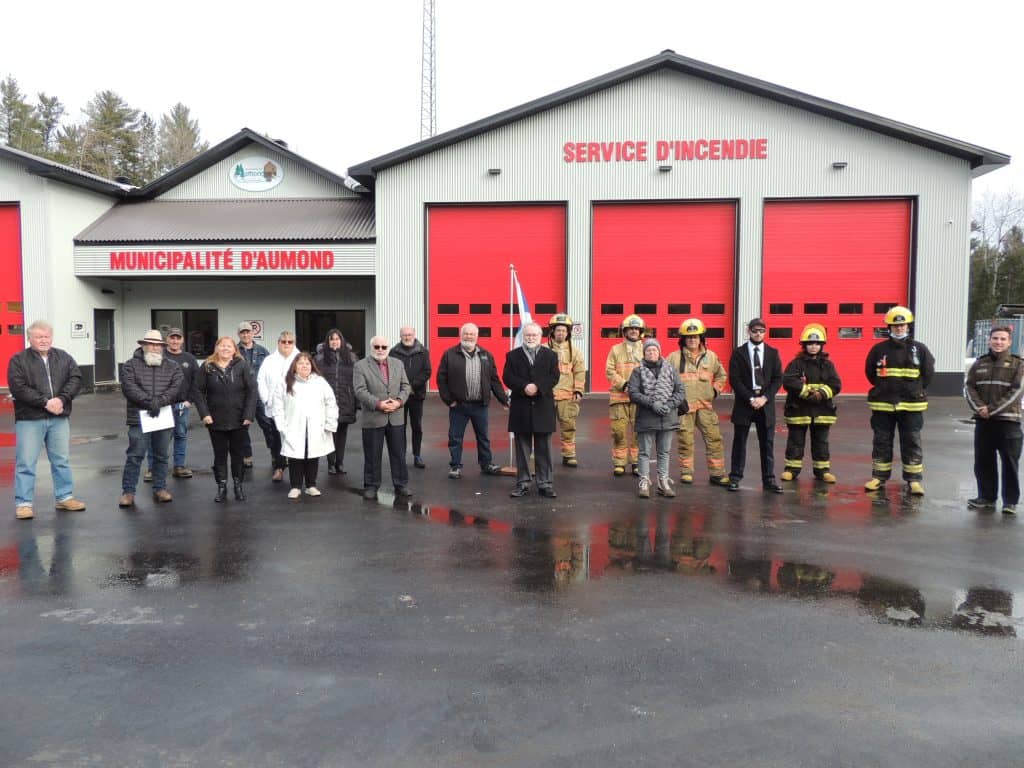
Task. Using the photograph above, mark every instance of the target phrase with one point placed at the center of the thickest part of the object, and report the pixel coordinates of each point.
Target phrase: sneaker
(787, 475)
(294, 493)
(455, 473)
(915, 488)
(570, 461)
(370, 494)
(331, 469)
(688, 479)
(163, 496)
(665, 487)
(719, 480)
(827, 477)
(24, 512)
(70, 504)
(873, 484)
(147, 476)
(417, 461)
(618, 471)
(401, 492)
(1009, 509)
(644, 488)
(491, 469)
(126, 500)
(182, 472)
(980, 503)
(314, 491)
(278, 475)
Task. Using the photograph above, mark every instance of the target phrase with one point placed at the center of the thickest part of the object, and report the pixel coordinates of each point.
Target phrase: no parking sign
(257, 329)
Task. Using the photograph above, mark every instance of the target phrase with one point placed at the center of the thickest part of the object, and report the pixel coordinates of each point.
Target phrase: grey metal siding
(667, 105)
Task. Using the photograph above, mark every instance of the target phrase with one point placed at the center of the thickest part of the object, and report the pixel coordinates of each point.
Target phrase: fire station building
(669, 188)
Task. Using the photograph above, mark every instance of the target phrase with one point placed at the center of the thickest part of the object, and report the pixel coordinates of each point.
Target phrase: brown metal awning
(210, 221)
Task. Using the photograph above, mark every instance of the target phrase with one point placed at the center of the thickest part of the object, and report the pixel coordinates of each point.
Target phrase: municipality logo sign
(256, 174)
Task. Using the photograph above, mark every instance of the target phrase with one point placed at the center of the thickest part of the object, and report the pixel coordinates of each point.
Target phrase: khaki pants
(567, 411)
(705, 420)
(624, 447)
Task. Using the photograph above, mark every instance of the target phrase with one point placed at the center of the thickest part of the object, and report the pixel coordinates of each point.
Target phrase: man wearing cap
(755, 375)
(149, 381)
(270, 378)
(182, 406)
(254, 355)
(416, 359)
(43, 381)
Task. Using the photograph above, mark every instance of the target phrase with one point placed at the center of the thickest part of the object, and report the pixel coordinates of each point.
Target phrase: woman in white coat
(306, 414)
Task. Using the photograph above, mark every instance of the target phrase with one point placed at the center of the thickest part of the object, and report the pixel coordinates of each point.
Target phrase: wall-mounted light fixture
(839, 164)
(664, 168)
(494, 171)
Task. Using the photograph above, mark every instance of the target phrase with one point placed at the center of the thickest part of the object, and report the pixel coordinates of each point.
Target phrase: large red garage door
(664, 262)
(468, 257)
(842, 263)
(12, 318)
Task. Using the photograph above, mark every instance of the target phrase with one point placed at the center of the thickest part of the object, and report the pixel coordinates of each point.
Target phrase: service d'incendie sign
(256, 174)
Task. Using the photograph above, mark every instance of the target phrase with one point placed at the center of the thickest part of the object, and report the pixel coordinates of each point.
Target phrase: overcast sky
(340, 80)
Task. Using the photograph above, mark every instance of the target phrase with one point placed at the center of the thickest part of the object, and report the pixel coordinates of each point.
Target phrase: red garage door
(665, 262)
(468, 257)
(12, 318)
(842, 263)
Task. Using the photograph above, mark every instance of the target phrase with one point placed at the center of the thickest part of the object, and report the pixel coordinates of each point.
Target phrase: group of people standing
(304, 402)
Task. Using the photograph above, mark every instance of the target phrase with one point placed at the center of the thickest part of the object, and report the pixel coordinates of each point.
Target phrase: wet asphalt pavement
(822, 627)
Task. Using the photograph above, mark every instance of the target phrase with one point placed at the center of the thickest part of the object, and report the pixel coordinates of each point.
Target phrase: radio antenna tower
(428, 74)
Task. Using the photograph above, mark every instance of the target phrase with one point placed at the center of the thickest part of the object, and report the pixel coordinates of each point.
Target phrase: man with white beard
(149, 381)
(531, 373)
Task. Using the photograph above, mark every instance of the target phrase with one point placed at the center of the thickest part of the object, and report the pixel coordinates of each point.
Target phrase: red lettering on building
(631, 150)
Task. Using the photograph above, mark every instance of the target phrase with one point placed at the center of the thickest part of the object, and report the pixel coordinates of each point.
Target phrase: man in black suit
(531, 373)
(755, 375)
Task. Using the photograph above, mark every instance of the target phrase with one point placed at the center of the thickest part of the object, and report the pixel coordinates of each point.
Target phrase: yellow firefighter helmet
(634, 321)
(692, 326)
(560, 319)
(813, 332)
(898, 316)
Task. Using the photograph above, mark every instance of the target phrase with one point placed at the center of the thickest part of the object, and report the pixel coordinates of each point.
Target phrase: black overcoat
(228, 395)
(537, 413)
(337, 371)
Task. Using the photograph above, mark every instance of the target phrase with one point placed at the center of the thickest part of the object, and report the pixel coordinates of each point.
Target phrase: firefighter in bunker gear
(811, 383)
(571, 382)
(900, 370)
(622, 359)
(704, 378)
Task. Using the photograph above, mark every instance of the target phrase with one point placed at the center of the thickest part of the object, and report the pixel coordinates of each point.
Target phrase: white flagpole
(511, 341)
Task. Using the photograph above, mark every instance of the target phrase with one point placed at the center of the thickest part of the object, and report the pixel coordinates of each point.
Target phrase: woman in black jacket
(226, 394)
(335, 360)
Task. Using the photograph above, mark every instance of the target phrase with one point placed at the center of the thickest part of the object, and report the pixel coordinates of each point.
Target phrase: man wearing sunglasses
(755, 375)
(271, 376)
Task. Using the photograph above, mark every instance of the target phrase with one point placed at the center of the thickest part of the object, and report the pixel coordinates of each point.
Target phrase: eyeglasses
(757, 330)
(286, 341)
(380, 346)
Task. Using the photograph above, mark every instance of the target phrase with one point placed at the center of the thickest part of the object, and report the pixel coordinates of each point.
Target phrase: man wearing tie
(755, 375)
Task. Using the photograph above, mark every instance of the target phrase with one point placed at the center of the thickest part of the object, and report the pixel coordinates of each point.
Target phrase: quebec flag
(525, 317)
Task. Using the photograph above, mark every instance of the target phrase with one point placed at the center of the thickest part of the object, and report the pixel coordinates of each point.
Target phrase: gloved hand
(660, 408)
(154, 408)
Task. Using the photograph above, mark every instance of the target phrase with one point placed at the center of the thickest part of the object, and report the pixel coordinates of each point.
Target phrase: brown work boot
(71, 504)
(24, 512)
(278, 475)
(163, 496)
(182, 472)
(126, 500)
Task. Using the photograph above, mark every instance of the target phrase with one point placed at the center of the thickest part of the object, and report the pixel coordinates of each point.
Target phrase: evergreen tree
(49, 111)
(179, 138)
(70, 145)
(148, 150)
(18, 123)
(111, 142)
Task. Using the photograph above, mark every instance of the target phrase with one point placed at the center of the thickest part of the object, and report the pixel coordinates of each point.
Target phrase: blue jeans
(655, 441)
(181, 413)
(138, 443)
(30, 436)
(458, 417)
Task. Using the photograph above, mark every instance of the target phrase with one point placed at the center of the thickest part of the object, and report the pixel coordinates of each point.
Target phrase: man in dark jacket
(755, 375)
(182, 405)
(466, 378)
(900, 370)
(254, 355)
(531, 372)
(149, 382)
(43, 381)
(993, 390)
(416, 359)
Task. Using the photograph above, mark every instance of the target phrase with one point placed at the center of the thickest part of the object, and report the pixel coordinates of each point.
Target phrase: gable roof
(225, 149)
(982, 160)
(48, 169)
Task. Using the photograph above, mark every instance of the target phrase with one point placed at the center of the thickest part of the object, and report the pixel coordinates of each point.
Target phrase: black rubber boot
(239, 493)
(221, 476)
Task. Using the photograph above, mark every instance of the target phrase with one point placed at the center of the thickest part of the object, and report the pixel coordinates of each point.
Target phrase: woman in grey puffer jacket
(660, 397)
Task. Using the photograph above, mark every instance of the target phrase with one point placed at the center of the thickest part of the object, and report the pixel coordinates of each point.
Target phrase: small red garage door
(469, 252)
(842, 263)
(12, 318)
(664, 262)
